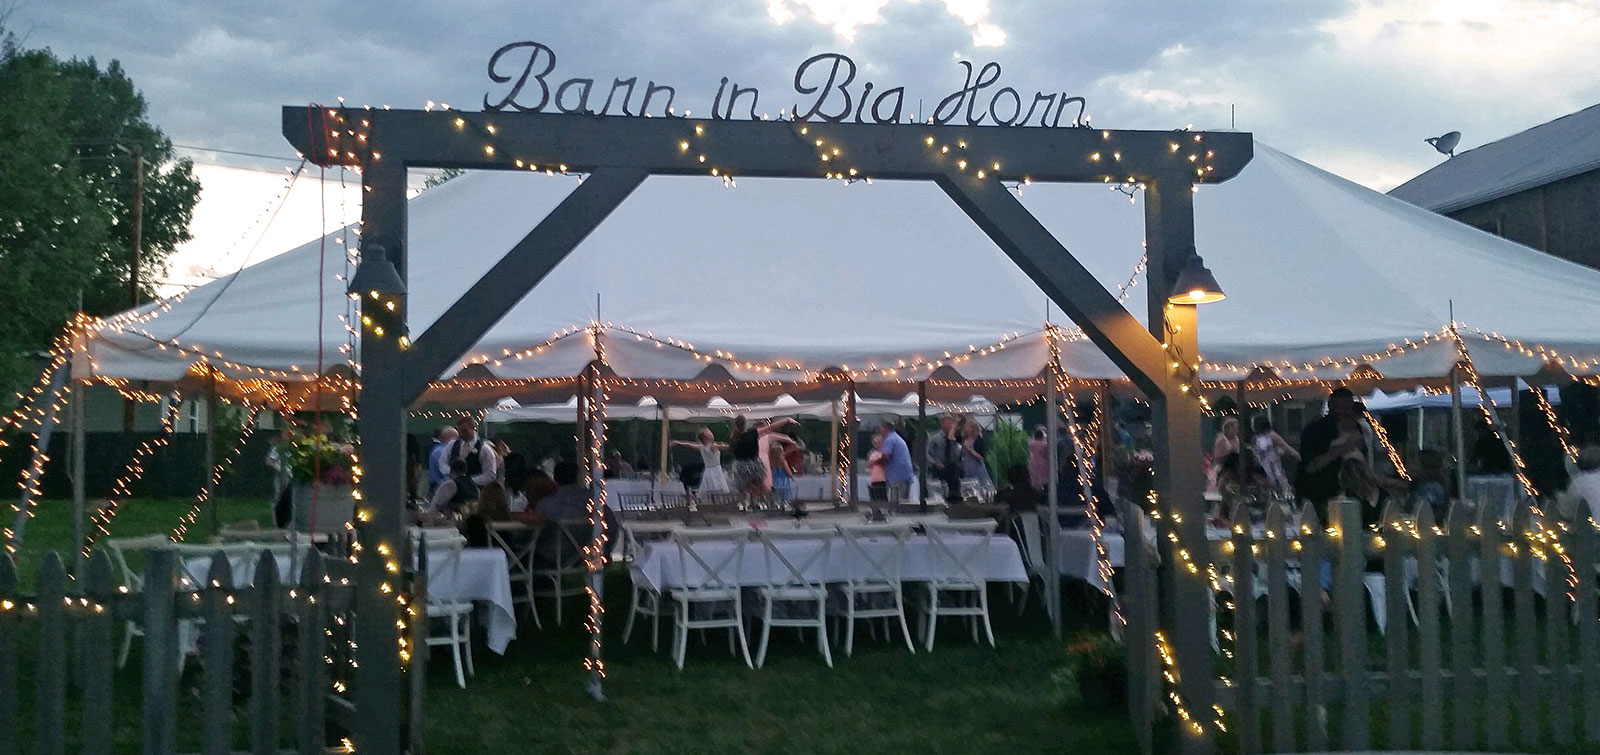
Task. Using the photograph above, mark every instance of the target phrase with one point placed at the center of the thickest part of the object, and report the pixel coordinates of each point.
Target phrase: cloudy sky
(1350, 85)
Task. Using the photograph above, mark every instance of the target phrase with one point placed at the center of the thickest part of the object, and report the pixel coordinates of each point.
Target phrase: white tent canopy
(779, 279)
(1381, 401)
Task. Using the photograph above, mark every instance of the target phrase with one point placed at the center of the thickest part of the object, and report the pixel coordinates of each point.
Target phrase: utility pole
(137, 208)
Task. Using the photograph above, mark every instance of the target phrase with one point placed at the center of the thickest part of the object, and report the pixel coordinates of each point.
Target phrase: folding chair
(795, 560)
(874, 562)
(444, 557)
(957, 585)
(709, 581)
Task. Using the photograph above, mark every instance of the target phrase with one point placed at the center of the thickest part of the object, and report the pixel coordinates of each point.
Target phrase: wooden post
(1456, 429)
(1052, 497)
(833, 448)
(80, 395)
(211, 453)
(850, 420)
(661, 465)
(599, 537)
(921, 452)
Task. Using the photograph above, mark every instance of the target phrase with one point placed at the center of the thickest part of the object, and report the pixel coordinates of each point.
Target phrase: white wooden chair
(709, 583)
(444, 557)
(646, 599)
(560, 576)
(516, 539)
(796, 585)
(874, 564)
(1027, 532)
(963, 589)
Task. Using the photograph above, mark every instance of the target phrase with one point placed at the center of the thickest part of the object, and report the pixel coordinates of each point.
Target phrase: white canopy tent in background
(719, 410)
(780, 280)
(1381, 401)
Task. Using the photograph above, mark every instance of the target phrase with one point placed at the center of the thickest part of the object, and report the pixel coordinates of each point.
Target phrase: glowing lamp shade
(1196, 284)
(376, 274)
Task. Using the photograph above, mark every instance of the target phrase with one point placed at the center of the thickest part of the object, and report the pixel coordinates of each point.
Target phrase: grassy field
(961, 698)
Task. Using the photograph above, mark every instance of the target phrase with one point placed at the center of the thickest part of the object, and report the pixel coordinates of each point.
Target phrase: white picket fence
(1489, 635)
(66, 635)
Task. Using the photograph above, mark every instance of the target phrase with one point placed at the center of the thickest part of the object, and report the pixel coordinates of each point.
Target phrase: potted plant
(1099, 664)
(323, 471)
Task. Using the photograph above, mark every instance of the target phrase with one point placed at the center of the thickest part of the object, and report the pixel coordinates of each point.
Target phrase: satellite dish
(1446, 144)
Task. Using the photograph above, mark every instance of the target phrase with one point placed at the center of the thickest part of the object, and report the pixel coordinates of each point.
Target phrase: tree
(66, 187)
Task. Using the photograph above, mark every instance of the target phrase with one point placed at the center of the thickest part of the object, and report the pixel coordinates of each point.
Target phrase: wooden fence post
(1140, 640)
(1312, 560)
(1428, 629)
(265, 637)
(98, 669)
(313, 674)
(1497, 688)
(1278, 626)
(1583, 562)
(1351, 621)
(1463, 683)
(1396, 546)
(1244, 633)
(1528, 698)
(160, 652)
(217, 606)
(10, 620)
(50, 662)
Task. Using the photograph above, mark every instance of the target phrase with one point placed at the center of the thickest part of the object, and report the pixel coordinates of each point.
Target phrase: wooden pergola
(975, 166)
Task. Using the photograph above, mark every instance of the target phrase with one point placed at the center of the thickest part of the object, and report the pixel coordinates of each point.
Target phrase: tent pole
(1460, 438)
(922, 444)
(850, 420)
(1516, 413)
(580, 436)
(597, 529)
(661, 465)
(80, 393)
(1052, 572)
(1422, 428)
(833, 446)
(211, 452)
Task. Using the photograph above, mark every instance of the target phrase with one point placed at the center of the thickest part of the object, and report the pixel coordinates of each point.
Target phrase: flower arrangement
(316, 458)
(1099, 667)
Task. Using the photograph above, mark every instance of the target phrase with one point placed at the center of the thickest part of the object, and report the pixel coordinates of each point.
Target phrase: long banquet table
(659, 565)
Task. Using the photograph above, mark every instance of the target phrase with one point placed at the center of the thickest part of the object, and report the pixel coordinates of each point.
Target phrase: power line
(240, 153)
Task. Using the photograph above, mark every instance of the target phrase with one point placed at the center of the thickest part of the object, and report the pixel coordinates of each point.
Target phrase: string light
(246, 429)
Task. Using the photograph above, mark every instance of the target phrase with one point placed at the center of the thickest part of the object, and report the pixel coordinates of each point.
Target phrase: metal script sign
(826, 86)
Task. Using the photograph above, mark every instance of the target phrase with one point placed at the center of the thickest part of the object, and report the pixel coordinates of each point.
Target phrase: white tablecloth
(658, 564)
(485, 578)
(1076, 557)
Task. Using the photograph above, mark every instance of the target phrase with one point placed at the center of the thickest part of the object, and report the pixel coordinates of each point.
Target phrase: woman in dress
(1038, 459)
(973, 448)
(750, 474)
(1270, 448)
(1224, 445)
(712, 480)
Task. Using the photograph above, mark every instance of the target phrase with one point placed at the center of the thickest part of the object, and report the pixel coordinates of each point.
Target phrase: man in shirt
(438, 468)
(567, 510)
(479, 456)
(897, 472)
(944, 456)
(1323, 444)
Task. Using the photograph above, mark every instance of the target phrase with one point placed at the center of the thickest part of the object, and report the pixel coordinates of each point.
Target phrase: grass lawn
(961, 698)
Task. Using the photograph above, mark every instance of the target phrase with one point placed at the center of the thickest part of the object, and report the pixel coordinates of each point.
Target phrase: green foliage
(65, 197)
(1008, 446)
(316, 457)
